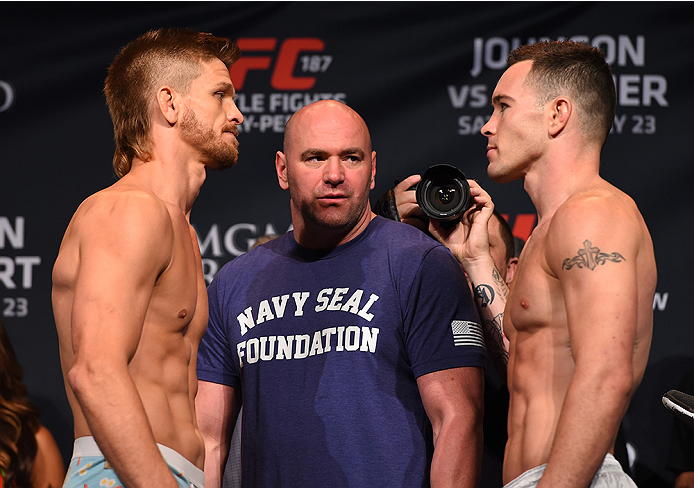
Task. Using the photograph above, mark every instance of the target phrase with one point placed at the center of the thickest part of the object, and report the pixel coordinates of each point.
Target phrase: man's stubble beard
(215, 153)
(321, 218)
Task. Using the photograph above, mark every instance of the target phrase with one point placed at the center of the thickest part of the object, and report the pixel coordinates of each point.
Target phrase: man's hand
(406, 201)
(469, 240)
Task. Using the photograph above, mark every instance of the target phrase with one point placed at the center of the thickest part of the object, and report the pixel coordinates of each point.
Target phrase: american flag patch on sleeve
(467, 333)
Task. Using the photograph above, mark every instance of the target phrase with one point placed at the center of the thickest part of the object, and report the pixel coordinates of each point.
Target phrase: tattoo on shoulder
(485, 294)
(590, 257)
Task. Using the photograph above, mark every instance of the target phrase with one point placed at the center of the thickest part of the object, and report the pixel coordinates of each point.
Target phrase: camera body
(443, 193)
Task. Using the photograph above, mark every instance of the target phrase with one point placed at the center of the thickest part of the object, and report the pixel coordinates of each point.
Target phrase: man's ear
(281, 167)
(373, 170)
(168, 104)
(511, 269)
(561, 110)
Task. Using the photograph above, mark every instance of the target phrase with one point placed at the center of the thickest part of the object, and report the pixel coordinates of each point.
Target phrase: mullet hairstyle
(576, 69)
(162, 57)
(19, 420)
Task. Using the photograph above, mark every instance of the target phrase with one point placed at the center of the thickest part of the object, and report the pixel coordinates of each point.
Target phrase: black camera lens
(446, 196)
(444, 193)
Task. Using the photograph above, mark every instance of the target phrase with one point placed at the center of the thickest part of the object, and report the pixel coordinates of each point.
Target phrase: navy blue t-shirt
(326, 348)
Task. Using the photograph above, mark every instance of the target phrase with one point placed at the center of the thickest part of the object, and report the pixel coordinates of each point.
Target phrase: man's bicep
(595, 263)
(119, 262)
(452, 392)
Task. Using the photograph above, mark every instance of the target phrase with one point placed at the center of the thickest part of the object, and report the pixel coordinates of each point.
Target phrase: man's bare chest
(535, 299)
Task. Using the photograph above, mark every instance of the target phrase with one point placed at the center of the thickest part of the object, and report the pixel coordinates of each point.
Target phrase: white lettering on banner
(280, 60)
(15, 307)
(236, 240)
(15, 271)
(477, 94)
(13, 235)
(7, 90)
(327, 299)
(12, 267)
(269, 113)
(344, 338)
(636, 91)
(23, 265)
(467, 124)
(492, 52)
(633, 89)
(637, 124)
(660, 301)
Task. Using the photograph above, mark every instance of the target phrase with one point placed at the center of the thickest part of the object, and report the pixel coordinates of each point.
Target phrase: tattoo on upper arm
(590, 257)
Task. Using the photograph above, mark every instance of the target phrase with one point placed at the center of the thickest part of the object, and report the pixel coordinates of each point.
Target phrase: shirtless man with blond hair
(578, 318)
(129, 297)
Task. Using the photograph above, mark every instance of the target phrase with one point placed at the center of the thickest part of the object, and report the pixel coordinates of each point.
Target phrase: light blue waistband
(87, 446)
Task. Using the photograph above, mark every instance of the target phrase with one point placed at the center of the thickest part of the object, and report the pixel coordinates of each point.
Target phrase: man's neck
(177, 184)
(321, 238)
(555, 180)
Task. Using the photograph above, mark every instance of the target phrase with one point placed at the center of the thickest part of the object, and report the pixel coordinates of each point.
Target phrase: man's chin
(223, 163)
(498, 176)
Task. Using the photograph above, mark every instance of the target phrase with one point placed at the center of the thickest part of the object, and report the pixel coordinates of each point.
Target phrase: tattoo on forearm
(500, 283)
(590, 257)
(485, 294)
(495, 334)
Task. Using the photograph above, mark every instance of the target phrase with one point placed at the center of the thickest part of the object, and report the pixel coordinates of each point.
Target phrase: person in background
(29, 455)
(505, 250)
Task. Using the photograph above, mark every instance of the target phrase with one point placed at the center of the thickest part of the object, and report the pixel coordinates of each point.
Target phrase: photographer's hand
(406, 201)
(468, 241)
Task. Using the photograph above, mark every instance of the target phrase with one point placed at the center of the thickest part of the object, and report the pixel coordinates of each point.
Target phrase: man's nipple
(183, 313)
(524, 303)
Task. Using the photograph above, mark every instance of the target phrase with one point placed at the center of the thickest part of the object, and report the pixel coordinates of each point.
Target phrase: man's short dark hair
(578, 70)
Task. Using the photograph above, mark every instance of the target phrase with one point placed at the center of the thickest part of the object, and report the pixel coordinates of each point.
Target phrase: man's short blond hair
(160, 57)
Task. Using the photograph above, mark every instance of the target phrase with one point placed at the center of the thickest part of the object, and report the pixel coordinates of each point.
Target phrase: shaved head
(325, 109)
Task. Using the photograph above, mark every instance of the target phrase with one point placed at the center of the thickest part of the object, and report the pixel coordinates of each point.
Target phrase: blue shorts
(609, 475)
(89, 469)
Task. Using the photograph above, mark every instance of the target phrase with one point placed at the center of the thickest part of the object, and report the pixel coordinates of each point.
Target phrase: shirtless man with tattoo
(129, 297)
(578, 319)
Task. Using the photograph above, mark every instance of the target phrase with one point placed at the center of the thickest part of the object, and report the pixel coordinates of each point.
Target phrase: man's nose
(334, 172)
(233, 113)
(486, 129)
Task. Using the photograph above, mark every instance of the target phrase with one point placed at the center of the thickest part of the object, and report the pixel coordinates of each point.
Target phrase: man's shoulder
(121, 215)
(603, 198)
(603, 207)
(401, 235)
(598, 220)
(117, 198)
(256, 259)
(407, 247)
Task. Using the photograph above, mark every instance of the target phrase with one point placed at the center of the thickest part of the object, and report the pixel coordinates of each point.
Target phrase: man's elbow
(85, 376)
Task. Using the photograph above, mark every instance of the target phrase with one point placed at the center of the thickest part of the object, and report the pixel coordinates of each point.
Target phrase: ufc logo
(285, 62)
